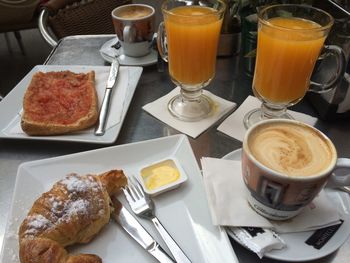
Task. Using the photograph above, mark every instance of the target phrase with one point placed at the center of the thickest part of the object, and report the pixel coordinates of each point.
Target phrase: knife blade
(112, 78)
(128, 222)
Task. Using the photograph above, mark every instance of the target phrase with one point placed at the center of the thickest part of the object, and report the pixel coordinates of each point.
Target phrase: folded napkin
(159, 109)
(233, 125)
(117, 101)
(228, 204)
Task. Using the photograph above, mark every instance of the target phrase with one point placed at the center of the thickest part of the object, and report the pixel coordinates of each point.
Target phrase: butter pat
(162, 176)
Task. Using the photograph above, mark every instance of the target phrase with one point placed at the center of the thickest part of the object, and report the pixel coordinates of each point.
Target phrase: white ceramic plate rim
(308, 253)
(12, 105)
(147, 60)
(180, 211)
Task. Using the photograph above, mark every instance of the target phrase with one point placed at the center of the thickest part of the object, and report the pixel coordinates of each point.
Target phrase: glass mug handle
(338, 53)
(161, 42)
(340, 180)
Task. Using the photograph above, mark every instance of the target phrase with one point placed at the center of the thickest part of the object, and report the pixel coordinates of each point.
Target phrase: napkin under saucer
(159, 109)
(233, 125)
(228, 204)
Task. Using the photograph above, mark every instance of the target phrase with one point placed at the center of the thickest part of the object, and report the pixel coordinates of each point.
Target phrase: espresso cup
(134, 26)
(285, 164)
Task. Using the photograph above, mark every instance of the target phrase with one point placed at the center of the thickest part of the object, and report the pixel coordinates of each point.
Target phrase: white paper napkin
(159, 109)
(233, 125)
(228, 204)
(117, 101)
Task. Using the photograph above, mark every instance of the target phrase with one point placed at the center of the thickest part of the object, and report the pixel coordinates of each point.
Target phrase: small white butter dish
(161, 176)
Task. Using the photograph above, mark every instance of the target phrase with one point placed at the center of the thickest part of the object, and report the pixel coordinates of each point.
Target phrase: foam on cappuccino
(291, 149)
(134, 12)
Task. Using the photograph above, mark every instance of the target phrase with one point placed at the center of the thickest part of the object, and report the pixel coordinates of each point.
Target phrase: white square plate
(11, 105)
(183, 211)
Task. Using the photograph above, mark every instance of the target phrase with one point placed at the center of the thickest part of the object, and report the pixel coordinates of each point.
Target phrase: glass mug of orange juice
(188, 40)
(290, 40)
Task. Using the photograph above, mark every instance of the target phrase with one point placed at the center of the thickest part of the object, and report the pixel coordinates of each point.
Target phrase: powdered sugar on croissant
(73, 211)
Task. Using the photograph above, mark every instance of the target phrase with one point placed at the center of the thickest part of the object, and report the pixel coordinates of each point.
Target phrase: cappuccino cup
(285, 164)
(134, 26)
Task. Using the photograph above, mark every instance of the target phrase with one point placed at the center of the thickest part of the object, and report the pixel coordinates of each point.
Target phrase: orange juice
(287, 53)
(192, 39)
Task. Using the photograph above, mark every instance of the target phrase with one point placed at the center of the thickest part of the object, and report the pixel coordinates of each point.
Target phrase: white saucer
(297, 249)
(108, 53)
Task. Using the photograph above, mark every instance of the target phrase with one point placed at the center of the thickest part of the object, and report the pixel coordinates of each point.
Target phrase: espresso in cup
(285, 164)
(134, 26)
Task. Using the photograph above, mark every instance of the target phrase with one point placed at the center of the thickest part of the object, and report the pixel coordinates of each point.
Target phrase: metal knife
(102, 120)
(128, 222)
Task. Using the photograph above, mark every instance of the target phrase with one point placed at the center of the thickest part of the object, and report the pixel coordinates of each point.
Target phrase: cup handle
(161, 42)
(338, 53)
(129, 34)
(340, 180)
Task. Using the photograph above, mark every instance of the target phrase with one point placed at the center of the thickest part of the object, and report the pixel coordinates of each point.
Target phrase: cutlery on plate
(102, 120)
(127, 221)
(142, 205)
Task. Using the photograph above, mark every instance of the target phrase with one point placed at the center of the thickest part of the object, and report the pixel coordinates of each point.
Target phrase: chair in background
(61, 18)
(16, 15)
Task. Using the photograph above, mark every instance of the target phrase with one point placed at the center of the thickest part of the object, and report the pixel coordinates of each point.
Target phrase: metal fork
(143, 206)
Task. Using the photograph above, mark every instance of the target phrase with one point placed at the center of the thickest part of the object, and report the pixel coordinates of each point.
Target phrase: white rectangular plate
(183, 211)
(11, 105)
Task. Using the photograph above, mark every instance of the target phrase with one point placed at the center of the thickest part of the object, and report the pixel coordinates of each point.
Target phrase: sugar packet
(259, 240)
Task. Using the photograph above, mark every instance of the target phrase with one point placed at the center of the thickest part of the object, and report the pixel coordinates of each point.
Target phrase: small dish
(161, 176)
(108, 52)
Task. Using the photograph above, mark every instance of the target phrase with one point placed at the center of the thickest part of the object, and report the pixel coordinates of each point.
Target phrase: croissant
(73, 211)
